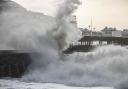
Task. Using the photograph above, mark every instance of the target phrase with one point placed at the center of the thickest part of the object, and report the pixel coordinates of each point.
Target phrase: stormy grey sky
(112, 13)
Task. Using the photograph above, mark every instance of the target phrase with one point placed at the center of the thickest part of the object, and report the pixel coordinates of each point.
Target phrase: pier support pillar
(9, 70)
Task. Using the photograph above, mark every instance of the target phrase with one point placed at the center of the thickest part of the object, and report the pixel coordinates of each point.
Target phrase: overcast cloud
(103, 12)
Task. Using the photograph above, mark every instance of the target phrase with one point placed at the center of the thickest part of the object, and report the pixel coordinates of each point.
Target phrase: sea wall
(13, 64)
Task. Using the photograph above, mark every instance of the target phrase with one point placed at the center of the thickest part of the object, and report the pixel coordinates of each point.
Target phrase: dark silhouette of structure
(13, 63)
(87, 43)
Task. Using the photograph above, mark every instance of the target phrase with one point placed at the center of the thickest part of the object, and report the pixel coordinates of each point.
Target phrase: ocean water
(103, 68)
(15, 84)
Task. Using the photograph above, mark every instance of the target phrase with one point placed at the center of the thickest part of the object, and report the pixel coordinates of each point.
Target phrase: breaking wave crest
(105, 66)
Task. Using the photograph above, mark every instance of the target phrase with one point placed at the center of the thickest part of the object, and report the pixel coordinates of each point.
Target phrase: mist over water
(46, 37)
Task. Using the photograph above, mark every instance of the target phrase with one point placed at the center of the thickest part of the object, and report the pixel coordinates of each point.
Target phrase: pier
(88, 43)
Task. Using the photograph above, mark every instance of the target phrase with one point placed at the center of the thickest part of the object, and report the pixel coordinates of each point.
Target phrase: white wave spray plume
(104, 66)
(61, 35)
(47, 36)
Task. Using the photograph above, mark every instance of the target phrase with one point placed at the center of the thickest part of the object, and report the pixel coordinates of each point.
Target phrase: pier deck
(109, 40)
(86, 43)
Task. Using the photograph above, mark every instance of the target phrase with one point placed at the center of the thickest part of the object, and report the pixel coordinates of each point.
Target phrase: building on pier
(90, 39)
(106, 32)
(86, 32)
(125, 33)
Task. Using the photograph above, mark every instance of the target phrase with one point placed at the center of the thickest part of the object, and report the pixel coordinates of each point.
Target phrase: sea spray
(62, 35)
(45, 37)
(65, 33)
(104, 66)
(42, 35)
